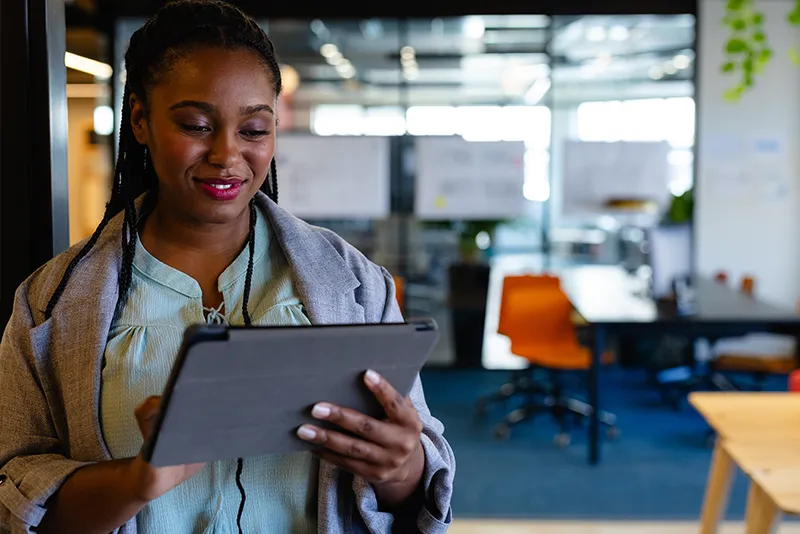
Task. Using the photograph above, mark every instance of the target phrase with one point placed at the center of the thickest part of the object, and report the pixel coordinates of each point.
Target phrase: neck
(167, 232)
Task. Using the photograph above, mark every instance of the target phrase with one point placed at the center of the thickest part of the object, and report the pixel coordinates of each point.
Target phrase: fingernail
(321, 411)
(372, 377)
(306, 432)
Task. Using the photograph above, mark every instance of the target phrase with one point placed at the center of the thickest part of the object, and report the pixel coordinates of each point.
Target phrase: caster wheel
(562, 440)
(612, 433)
(502, 432)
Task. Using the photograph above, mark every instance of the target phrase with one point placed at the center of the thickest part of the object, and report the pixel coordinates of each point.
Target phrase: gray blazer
(50, 376)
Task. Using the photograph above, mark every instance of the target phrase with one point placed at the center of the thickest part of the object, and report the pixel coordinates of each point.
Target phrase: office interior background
(593, 142)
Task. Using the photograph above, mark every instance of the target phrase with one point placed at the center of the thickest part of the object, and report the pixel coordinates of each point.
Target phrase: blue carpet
(655, 470)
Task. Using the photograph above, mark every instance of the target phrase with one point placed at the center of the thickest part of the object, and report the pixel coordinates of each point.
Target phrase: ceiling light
(537, 91)
(656, 73)
(669, 68)
(335, 59)
(407, 52)
(618, 33)
(474, 28)
(89, 66)
(603, 59)
(408, 62)
(681, 61)
(329, 50)
(411, 74)
(596, 34)
(103, 119)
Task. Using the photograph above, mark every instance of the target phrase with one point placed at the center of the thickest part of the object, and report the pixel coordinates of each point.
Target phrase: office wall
(748, 183)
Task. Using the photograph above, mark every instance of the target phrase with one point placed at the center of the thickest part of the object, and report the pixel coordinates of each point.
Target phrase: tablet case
(238, 391)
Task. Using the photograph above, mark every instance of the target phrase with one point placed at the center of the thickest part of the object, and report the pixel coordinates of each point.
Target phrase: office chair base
(563, 409)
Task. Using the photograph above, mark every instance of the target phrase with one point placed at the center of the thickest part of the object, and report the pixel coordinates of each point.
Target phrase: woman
(95, 331)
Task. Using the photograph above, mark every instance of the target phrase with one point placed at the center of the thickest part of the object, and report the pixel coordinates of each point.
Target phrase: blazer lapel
(323, 281)
(79, 330)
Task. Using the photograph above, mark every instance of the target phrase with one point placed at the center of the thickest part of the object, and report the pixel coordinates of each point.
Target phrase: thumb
(145, 415)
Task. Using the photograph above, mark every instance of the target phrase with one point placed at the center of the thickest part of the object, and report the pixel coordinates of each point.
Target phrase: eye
(254, 134)
(195, 128)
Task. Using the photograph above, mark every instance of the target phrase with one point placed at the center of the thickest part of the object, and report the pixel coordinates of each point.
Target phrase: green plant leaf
(735, 5)
(729, 66)
(758, 19)
(733, 95)
(736, 46)
(794, 56)
(766, 55)
(759, 37)
(739, 25)
(794, 17)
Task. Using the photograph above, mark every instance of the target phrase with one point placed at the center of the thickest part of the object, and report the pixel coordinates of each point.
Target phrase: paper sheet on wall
(458, 179)
(596, 172)
(325, 177)
(746, 168)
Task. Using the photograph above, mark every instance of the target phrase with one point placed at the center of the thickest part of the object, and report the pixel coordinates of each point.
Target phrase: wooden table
(614, 303)
(760, 433)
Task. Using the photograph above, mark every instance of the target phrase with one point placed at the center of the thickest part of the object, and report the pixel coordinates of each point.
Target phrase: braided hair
(179, 28)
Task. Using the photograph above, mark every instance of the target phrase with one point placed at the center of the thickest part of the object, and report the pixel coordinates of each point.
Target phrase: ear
(138, 119)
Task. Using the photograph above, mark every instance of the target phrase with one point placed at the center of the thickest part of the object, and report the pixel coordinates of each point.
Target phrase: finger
(145, 414)
(397, 408)
(354, 448)
(360, 468)
(369, 428)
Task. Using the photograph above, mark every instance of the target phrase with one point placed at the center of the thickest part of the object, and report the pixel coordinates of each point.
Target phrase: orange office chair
(521, 382)
(541, 330)
(400, 292)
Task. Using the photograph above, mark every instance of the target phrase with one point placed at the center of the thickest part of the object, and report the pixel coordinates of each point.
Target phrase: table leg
(718, 489)
(598, 346)
(762, 514)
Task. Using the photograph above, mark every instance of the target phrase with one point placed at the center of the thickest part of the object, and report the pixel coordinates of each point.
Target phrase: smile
(221, 188)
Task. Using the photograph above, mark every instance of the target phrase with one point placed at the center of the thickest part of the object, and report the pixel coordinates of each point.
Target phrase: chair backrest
(512, 284)
(400, 291)
(540, 317)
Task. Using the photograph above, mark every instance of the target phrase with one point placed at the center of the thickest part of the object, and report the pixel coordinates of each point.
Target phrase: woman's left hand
(387, 453)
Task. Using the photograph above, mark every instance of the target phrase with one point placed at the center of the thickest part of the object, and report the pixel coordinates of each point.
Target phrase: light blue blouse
(142, 346)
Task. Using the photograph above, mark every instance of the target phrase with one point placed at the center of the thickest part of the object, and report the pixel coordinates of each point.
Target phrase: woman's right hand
(150, 483)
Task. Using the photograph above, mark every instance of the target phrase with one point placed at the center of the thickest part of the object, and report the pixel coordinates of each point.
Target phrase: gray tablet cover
(239, 392)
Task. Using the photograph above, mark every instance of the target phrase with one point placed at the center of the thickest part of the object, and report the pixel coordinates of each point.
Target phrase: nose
(224, 150)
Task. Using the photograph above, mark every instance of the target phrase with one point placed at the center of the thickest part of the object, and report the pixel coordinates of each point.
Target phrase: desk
(759, 433)
(613, 302)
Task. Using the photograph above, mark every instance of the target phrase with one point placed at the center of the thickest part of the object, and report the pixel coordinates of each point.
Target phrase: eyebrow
(208, 108)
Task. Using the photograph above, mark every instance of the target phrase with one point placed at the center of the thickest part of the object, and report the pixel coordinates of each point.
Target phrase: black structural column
(34, 208)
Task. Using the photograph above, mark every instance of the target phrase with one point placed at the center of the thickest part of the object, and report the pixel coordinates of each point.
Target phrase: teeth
(222, 186)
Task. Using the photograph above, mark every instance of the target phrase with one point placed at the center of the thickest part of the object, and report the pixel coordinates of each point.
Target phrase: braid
(177, 29)
(251, 243)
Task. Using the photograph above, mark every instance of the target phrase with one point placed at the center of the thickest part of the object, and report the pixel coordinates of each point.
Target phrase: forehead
(222, 77)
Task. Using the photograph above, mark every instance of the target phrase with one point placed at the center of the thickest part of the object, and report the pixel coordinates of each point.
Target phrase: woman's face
(210, 129)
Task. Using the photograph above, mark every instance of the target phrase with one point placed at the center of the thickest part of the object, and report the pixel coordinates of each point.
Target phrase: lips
(221, 188)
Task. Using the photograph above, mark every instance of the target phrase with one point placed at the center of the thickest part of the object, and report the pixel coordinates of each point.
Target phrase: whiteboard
(458, 179)
(321, 177)
(596, 172)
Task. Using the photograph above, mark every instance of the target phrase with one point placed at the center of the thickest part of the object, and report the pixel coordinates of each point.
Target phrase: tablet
(236, 392)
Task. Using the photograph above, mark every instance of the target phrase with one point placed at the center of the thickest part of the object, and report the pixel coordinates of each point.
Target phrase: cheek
(259, 157)
(178, 153)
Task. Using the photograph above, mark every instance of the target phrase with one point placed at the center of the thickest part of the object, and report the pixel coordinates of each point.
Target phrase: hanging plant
(747, 50)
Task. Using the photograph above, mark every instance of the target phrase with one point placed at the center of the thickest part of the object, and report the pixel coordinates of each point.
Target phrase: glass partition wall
(535, 87)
